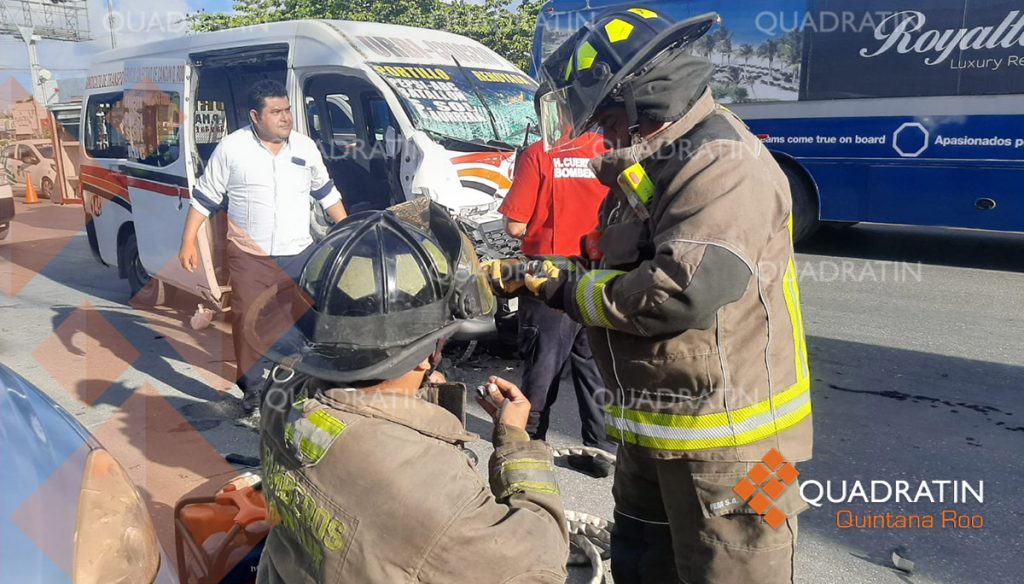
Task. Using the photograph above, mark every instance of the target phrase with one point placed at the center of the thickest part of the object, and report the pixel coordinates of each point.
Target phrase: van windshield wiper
(475, 142)
(531, 129)
(449, 138)
(483, 102)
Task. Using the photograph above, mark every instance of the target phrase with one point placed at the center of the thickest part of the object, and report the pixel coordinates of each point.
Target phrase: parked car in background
(33, 158)
(68, 510)
(6, 205)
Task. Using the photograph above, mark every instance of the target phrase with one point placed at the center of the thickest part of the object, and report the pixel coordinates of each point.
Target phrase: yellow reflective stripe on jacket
(678, 432)
(590, 296)
(530, 486)
(720, 430)
(792, 294)
(297, 411)
(526, 464)
(527, 474)
(313, 435)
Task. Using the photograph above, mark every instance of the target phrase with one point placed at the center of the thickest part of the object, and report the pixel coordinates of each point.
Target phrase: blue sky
(139, 21)
(752, 21)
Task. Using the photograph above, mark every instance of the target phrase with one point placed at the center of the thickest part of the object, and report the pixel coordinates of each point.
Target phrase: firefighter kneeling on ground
(366, 481)
(689, 294)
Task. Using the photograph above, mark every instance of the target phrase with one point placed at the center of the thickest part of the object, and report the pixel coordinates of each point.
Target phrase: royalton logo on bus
(905, 33)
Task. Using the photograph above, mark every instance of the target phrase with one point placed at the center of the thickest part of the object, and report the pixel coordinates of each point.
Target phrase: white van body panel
(108, 223)
(469, 183)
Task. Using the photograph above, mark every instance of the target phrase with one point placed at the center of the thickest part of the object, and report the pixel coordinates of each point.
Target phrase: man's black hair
(263, 89)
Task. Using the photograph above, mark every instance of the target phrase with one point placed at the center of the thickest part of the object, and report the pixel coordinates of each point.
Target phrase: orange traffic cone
(30, 191)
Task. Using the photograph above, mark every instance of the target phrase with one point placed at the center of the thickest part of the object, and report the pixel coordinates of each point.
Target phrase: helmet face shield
(570, 112)
(580, 86)
(555, 119)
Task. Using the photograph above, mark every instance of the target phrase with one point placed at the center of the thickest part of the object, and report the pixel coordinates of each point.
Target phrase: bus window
(339, 114)
(336, 132)
(312, 118)
(104, 119)
(380, 118)
(151, 124)
(210, 123)
(348, 118)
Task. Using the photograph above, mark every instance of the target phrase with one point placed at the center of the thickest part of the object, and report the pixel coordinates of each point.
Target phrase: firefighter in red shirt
(552, 205)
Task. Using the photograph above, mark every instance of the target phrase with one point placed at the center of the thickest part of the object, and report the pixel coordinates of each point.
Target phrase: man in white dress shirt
(264, 176)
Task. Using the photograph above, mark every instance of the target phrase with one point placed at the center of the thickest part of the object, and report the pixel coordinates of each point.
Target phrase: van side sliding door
(154, 123)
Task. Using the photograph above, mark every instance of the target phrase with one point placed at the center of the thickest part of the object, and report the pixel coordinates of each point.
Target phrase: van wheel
(805, 203)
(4, 230)
(145, 290)
(46, 188)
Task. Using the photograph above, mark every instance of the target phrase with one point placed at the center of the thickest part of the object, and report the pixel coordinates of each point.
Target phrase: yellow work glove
(536, 279)
(506, 276)
(546, 281)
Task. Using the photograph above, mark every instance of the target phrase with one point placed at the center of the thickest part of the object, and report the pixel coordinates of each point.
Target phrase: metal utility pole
(36, 20)
(28, 35)
(110, 23)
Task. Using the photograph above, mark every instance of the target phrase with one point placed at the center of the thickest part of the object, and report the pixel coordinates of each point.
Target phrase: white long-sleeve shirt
(267, 197)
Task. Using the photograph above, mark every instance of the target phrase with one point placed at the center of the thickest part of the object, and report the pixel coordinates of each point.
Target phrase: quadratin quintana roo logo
(765, 483)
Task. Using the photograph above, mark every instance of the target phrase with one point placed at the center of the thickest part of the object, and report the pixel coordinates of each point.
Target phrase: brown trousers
(679, 521)
(252, 275)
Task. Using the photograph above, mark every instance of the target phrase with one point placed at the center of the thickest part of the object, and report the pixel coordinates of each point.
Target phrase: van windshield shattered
(450, 102)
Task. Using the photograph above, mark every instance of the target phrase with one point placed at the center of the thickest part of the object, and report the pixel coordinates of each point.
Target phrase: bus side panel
(945, 195)
(928, 170)
(107, 204)
(112, 216)
(841, 186)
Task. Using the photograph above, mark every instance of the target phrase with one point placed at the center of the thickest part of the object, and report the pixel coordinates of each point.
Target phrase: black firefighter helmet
(384, 286)
(610, 61)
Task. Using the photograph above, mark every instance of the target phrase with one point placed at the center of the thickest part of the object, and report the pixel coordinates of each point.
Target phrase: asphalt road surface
(916, 340)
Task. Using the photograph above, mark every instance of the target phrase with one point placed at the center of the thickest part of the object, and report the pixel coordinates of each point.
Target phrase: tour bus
(398, 112)
(904, 112)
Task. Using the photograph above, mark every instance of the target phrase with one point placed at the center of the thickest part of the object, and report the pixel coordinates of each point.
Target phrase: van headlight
(115, 541)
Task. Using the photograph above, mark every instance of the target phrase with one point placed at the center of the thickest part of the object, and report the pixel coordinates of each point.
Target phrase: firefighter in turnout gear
(689, 294)
(365, 480)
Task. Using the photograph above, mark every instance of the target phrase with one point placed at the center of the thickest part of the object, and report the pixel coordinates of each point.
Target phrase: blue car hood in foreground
(42, 456)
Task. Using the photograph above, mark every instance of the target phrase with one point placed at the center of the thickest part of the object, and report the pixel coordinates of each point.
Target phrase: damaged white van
(394, 109)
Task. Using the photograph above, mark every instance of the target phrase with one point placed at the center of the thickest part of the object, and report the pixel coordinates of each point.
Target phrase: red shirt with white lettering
(557, 196)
